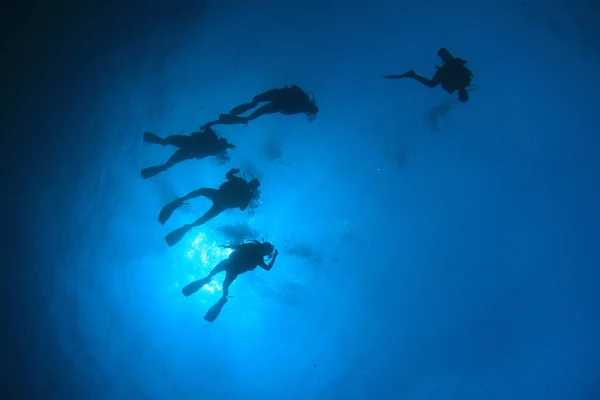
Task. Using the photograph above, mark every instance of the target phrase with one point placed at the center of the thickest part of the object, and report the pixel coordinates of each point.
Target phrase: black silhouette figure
(245, 257)
(198, 145)
(288, 101)
(453, 75)
(234, 193)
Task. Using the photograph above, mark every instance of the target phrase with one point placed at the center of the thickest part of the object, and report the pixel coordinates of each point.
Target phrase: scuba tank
(445, 55)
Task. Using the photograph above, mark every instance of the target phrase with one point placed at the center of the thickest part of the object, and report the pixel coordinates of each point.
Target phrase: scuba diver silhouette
(245, 257)
(288, 101)
(234, 193)
(198, 145)
(452, 75)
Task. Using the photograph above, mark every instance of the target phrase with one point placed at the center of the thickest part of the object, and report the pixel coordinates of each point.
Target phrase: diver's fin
(242, 108)
(174, 237)
(150, 137)
(152, 171)
(215, 310)
(193, 287)
(168, 210)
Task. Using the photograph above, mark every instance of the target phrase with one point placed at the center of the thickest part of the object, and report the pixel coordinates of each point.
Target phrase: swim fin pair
(149, 172)
(193, 287)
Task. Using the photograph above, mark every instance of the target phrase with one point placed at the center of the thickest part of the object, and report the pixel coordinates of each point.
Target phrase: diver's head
(267, 248)
(254, 184)
(312, 109)
(463, 95)
(311, 115)
(224, 144)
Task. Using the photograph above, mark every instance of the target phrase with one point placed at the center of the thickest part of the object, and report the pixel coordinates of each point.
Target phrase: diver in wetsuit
(452, 75)
(198, 145)
(245, 257)
(234, 193)
(288, 101)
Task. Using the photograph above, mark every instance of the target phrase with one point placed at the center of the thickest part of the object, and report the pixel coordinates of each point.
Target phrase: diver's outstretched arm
(266, 267)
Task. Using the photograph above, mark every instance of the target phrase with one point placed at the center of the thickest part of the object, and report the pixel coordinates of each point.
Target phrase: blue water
(429, 250)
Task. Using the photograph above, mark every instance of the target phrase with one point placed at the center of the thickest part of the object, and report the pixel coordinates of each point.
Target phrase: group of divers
(237, 192)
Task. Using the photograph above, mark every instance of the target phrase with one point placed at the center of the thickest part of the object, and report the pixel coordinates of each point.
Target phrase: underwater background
(428, 249)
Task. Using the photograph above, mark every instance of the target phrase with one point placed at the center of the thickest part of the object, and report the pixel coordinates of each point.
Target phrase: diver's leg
(169, 209)
(220, 267)
(401, 76)
(210, 214)
(242, 108)
(180, 141)
(209, 124)
(196, 285)
(150, 137)
(215, 310)
(225, 119)
(412, 74)
(271, 108)
(229, 278)
(179, 156)
(175, 237)
(209, 193)
(152, 171)
(427, 82)
(231, 119)
(269, 95)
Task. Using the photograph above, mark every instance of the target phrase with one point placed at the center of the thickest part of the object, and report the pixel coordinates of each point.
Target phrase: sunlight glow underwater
(204, 255)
